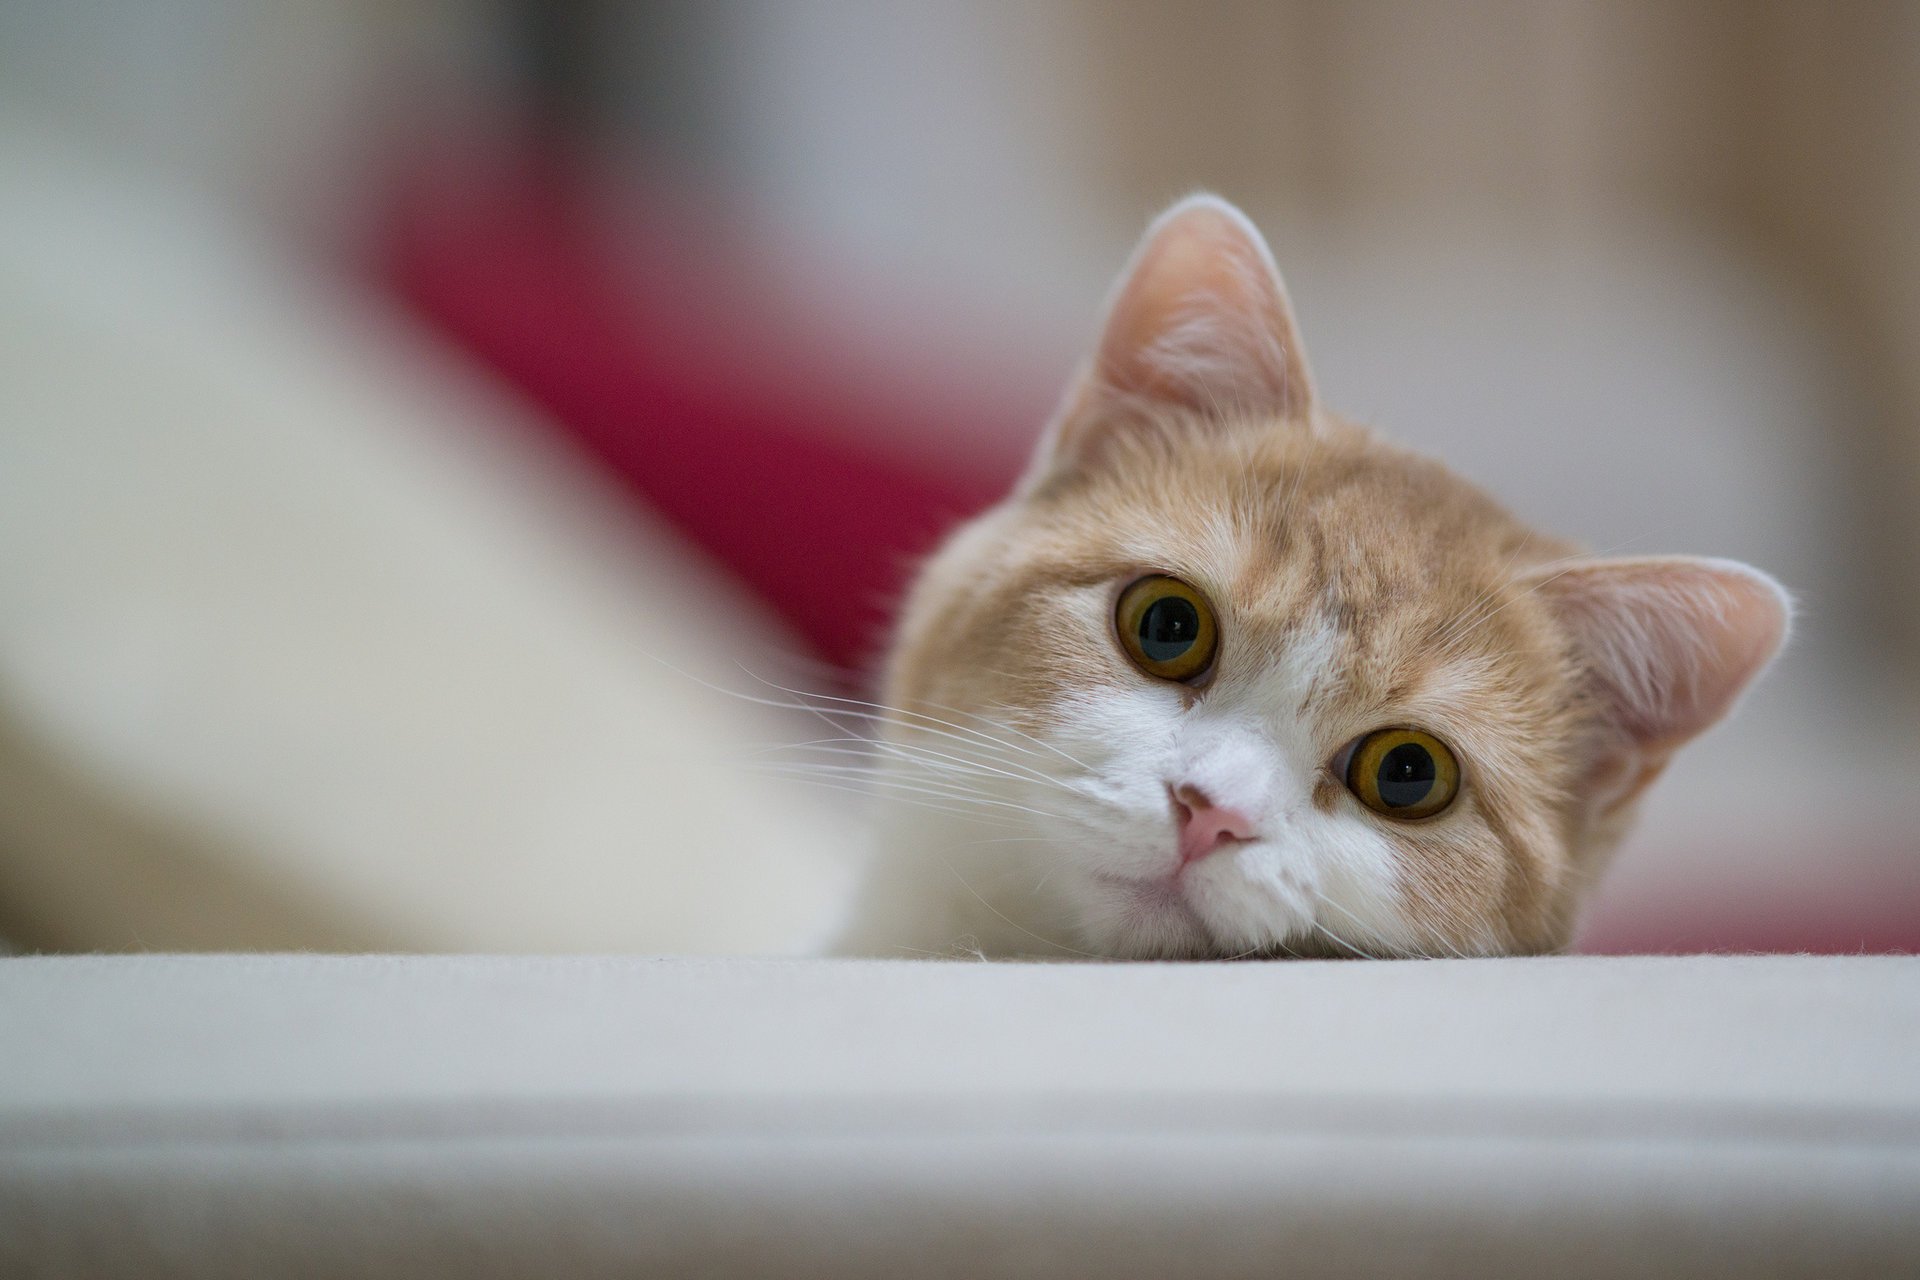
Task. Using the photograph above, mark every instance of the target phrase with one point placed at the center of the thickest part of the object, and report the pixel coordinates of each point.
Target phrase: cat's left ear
(1666, 645)
(1198, 322)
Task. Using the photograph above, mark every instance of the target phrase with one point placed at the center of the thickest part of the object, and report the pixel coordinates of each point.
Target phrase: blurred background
(387, 388)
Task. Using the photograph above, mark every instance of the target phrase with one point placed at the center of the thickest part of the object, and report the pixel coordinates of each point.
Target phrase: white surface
(378, 1116)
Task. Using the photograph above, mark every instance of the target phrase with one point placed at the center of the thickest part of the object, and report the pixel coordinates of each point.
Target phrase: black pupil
(1168, 628)
(1406, 775)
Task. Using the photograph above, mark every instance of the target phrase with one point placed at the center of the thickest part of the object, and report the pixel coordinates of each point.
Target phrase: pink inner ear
(1201, 320)
(1671, 641)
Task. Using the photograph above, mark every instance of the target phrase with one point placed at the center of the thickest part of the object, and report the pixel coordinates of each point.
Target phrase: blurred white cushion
(306, 640)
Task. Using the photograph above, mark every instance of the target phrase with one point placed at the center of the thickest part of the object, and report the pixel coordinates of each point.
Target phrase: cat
(1228, 675)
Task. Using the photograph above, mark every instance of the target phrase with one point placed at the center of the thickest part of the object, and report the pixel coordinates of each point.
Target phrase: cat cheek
(1454, 886)
(1359, 882)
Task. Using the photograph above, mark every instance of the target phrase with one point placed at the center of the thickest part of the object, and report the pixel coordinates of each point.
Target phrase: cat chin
(1229, 906)
(1152, 927)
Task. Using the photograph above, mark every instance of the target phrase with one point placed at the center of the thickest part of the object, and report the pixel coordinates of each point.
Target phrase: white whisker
(873, 749)
(1013, 923)
(1326, 901)
(877, 781)
(942, 725)
(1339, 941)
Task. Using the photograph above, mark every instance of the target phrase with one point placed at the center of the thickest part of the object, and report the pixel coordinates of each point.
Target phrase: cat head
(1230, 675)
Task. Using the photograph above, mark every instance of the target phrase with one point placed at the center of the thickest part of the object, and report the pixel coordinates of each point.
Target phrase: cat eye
(1167, 628)
(1402, 773)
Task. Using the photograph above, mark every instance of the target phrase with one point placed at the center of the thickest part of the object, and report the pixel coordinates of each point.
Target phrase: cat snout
(1204, 826)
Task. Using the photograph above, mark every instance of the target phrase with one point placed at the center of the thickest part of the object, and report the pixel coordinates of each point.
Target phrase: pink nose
(1203, 825)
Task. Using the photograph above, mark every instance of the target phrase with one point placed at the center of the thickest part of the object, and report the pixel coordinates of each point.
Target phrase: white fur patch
(1077, 842)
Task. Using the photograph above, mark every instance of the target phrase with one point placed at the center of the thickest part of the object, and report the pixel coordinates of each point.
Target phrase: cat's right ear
(1198, 322)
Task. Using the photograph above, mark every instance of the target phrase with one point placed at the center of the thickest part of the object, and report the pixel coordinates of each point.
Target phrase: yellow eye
(1402, 773)
(1167, 628)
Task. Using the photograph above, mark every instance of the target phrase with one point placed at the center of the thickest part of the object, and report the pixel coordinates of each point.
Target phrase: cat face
(1228, 675)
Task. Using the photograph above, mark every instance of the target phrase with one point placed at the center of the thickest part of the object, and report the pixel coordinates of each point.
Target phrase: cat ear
(1667, 644)
(1199, 321)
